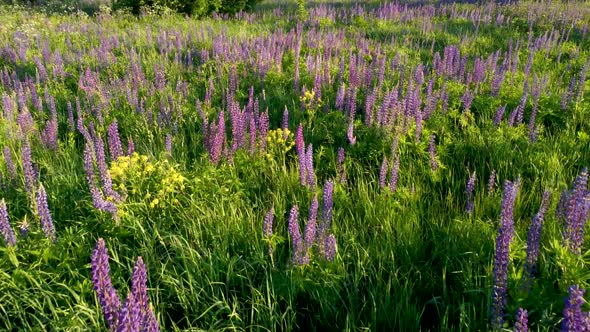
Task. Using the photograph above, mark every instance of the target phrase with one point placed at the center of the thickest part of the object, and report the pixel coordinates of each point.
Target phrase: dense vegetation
(340, 166)
(191, 7)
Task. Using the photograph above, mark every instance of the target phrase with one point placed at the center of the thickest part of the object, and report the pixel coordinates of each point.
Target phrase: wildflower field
(344, 165)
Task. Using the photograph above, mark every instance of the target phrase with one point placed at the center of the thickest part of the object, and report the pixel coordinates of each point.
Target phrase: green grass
(405, 261)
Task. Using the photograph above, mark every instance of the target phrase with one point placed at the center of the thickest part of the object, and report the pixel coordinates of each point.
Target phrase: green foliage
(406, 260)
(302, 13)
(190, 7)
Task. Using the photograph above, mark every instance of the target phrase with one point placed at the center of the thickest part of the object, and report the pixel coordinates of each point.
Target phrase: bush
(190, 7)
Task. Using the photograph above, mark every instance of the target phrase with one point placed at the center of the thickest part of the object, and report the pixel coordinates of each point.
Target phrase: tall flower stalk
(501, 258)
(5, 228)
(534, 237)
(45, 215)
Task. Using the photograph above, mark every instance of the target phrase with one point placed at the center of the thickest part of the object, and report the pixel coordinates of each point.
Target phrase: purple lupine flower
(218, 139)
(469, 190)
(520, 108)
(285, 122)
(444, 99)
(97, 199)
(295, 233)
(492, 181)
(150, 323)
(340, 165)
(139, 287)
(467, 99)
(311, 225)
(328, 200)
(5, 228)
(28, 170)
(114, 140)
(432, 152)
(369, 104)
(573, 318)
(301, 154)
(49, 133)
(567, 95)
(339, 102)
(418, 117)
(130, 146)
(534, 237)
(586, 320)
(168, 143)
(40, 68)
(522, 321)
(267, 227)
(499, 114)
(501, 258)
(263, 129)
(394, 174)
(44, 214)
(560, 212)
(383, 173)
(350, 133)
(106, 293)
(497, 81)
(330, 248)
(71, 122)
(309, 166)
(9, 163)
(103, 170)
(129, 315)
(576, 213)
(8, 104)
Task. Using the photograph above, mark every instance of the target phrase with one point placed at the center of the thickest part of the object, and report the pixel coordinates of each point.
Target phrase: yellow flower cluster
(279, 142)
(154, 182)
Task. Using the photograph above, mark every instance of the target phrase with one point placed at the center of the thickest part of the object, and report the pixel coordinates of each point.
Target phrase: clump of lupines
(44, 214)
(522, 321)
(135, 314)
(469, 190)
(534, 237)
(501, 258)
(106, 293)
(5, 228)
(98, 200)
(315, 232)
(573, 317)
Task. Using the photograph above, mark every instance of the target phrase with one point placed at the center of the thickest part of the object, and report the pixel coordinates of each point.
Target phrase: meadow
(347, 166)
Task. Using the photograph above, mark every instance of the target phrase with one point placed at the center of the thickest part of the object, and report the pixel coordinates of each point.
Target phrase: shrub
(190, 7)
